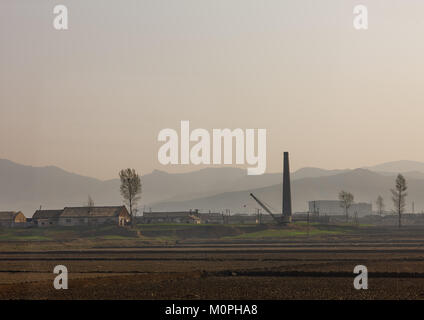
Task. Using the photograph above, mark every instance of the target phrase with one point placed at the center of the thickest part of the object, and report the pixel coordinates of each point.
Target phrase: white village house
(82, 216)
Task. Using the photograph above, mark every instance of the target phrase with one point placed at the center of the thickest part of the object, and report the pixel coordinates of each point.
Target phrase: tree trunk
(131, 213)
(399, 207)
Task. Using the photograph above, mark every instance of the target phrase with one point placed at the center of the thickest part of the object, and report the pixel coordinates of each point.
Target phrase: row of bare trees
(398, 197)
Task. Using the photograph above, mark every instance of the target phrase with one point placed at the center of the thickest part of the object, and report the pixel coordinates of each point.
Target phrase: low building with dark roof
(240, 218)
(74, 216)
(213, 218)
(12, 219)
(46, 218)
(171, 217)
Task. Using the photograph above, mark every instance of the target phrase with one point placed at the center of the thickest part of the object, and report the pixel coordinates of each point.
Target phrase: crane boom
(265, 207)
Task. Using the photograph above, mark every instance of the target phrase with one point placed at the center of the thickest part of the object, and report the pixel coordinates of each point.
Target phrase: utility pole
(308, 223)
(259, 215)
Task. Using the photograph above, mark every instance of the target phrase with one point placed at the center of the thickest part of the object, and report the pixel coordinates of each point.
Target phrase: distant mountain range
(364, 184)
(27, 188)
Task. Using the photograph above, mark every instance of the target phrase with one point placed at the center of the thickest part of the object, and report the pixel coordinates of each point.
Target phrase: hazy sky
(93, 99)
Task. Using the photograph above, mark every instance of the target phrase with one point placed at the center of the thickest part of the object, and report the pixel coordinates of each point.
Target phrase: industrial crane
(279, 221)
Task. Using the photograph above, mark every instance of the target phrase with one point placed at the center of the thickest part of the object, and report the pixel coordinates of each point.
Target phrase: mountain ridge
(365, 184)
(26, 188)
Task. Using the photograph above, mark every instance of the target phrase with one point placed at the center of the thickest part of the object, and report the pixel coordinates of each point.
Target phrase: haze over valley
(26, 188)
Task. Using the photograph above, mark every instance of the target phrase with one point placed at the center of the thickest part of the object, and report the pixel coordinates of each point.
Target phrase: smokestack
(287, 210)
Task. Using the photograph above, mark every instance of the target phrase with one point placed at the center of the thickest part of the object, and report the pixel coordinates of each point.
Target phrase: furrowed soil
(229, 267)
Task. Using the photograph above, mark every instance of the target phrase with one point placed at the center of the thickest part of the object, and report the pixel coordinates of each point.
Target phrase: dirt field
(318, 267)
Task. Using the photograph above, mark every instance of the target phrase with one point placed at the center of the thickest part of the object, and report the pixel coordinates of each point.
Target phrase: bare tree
(399, 195)
(346, 200)
(380, 205)
(90, 202)
(130, 188)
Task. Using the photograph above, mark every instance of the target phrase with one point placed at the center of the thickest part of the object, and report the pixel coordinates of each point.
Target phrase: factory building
(334, 208)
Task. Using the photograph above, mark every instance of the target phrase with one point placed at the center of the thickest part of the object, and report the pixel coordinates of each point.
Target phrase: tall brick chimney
(287, 208)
